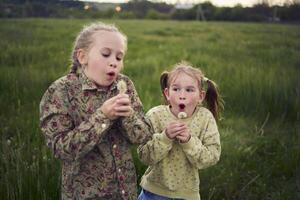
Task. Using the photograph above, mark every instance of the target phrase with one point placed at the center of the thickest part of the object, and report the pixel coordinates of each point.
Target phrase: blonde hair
(85, 38)
(213, 99)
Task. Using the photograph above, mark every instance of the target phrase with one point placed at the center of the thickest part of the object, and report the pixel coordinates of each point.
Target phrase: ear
(166, 93)
(81, 56)
(202, 96)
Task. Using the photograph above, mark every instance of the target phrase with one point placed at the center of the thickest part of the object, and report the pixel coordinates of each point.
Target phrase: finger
(170, 135)
(173, 123)
(124, 114)
(119, 96)
(177, 133)
(114, 98)
(123, 101)
(173, 126)
(178, 129)
(174, 134)
(122, 109)
(182, 138)
(110, 102)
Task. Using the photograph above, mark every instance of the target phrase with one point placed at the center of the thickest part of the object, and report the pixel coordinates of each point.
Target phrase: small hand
(184, 136)
(117, 106)
(174, 129)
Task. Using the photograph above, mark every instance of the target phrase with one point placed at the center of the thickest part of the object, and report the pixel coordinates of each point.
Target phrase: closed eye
(105, 52)
(119, 58)
(105, 55)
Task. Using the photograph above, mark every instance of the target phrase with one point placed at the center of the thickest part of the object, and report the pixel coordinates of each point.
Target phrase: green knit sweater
(173, 166)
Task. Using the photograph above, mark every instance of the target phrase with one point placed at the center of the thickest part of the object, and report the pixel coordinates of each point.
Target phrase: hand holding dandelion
(119, 105)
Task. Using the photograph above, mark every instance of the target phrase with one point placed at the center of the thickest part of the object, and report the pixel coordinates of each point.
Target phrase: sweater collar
(183, 120)
(88, 84)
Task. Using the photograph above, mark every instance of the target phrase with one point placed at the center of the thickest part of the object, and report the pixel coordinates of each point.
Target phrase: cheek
(195, 99)
(120, 66)
(172, 98)
(95, 66)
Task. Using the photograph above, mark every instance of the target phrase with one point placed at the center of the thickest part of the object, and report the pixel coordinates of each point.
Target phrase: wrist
(187, 140)
(165, 138)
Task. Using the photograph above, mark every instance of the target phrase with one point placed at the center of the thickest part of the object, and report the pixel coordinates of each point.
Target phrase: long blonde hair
(213, 99)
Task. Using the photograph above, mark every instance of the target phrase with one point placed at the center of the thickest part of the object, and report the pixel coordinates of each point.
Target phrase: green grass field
(257, 68)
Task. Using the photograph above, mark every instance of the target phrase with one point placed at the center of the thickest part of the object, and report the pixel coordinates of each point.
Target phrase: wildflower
(8, 142)
(122, 87)
(182, 115)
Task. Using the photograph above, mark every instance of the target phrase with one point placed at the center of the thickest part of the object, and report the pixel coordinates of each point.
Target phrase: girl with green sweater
(185, 136)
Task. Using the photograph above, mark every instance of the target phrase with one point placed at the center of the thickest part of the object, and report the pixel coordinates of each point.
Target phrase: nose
(113, 64)
(182, 95)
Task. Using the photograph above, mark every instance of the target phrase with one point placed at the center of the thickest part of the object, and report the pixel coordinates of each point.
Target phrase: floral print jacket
(94, 150)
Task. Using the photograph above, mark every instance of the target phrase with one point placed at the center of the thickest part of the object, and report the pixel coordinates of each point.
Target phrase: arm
(67, 141)
(158, 147)
(205, 153)
(136, 128)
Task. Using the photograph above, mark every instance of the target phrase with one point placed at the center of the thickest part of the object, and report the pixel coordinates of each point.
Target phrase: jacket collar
(88, 84)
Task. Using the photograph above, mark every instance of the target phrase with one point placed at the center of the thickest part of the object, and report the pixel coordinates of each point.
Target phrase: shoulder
(64, 83)
(59, 89)
(205, 112)
(205, 116)
(157, 116)
(157, 110)
(55, 99)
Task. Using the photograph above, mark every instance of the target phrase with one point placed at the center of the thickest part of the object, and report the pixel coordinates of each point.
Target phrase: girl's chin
(105, 83)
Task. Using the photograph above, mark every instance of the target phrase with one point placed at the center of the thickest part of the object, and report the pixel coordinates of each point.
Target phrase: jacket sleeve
(158, 147)
(136, 128)
(67, 141)
(206, 152)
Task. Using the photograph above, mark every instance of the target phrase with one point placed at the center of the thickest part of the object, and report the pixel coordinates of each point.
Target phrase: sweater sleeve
(136, 127)
(67, 141)
(158, 147)
(206, 152)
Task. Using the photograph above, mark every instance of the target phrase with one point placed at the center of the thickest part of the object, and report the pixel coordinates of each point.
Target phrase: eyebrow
(107, 48)
(189, 86)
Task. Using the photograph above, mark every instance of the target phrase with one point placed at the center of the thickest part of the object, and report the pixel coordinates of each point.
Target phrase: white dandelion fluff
(182, 115)
(122, 87)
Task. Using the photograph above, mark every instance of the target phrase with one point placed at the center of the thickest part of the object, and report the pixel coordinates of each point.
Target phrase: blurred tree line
(143, 9)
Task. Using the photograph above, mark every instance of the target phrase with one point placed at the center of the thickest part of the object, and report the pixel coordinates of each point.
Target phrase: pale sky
(215, 2)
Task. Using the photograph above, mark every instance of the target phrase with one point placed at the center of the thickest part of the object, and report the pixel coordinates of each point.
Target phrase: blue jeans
(146, 195)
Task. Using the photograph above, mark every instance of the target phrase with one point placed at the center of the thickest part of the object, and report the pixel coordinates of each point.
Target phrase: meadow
(257, 68)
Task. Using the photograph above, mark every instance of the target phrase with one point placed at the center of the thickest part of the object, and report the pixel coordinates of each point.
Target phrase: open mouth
(111, 74)
(181, 106)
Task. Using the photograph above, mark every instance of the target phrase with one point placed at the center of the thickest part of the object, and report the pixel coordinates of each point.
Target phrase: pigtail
(75, 63)
(213, 99)
(164, 83)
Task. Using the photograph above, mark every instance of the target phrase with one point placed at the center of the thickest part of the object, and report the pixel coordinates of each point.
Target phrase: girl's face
(104, 59)
(184, 94)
